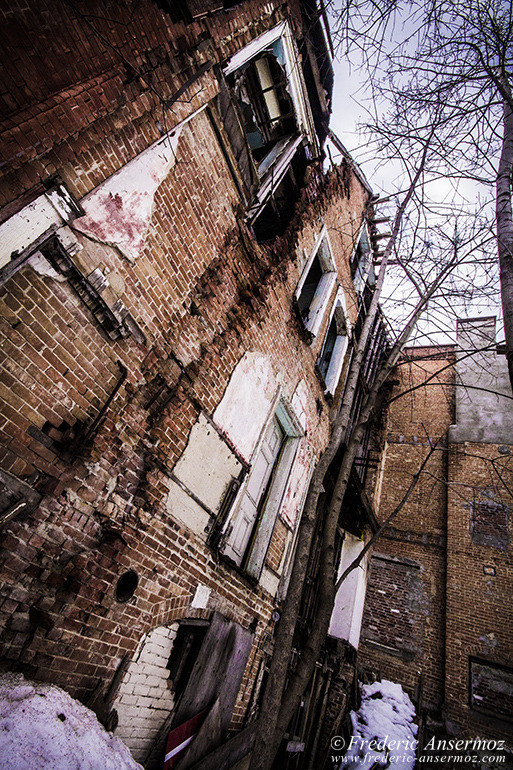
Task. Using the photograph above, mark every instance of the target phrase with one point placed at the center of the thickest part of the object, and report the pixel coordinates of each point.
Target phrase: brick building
(180, 282)
(439, 606)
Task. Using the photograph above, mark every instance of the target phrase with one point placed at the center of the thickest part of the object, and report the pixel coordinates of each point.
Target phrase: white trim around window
(319, 305)
(336, 364)
(293, 71)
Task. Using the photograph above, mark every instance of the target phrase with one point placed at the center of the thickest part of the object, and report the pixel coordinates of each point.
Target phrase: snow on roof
(41, 726)
(383, 729)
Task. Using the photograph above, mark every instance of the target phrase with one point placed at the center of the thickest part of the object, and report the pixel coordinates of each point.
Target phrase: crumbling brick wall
(107, 514)
(201, 293)
(480, 581)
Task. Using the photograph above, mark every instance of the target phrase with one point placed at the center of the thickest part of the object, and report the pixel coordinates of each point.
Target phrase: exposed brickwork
(277, 547)
(479, 578)
(393, 613)
(84, 106)
(418, 532)
(202, 292)
(455, 529)
(145, 698)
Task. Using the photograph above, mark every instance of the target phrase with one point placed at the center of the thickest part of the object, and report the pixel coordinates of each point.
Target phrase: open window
(360, 260)
(331, 358)
(316, 285)
(267, 117)
(249, 529)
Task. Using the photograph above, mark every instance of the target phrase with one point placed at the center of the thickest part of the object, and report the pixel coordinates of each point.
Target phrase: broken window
(331, 359)
(316, 285)
(268, 121)
(248, 531)
(491, 688)
(265, 106)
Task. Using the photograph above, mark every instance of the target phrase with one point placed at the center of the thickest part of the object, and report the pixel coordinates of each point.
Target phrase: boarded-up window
(491, 688)
(392, 615)
(489, 521)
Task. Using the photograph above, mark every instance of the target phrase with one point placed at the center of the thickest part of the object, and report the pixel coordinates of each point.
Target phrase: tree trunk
(504, 219)
(278, 708)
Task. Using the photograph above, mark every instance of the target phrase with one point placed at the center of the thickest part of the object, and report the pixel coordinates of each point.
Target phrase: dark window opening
(491, 689)
(309, 288)
(126, 586)
(356, 259)
(359, 260)
(328, 348)
(186, 648)
(279, 209)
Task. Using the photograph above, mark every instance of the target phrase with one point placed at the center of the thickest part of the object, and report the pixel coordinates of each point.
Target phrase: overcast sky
(351, 107)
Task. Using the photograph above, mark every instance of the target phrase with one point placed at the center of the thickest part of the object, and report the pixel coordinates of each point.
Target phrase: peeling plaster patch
(299, 403)
(40, 264)
(296, 488)
(118, 211)
(245, 406)
(490, 642)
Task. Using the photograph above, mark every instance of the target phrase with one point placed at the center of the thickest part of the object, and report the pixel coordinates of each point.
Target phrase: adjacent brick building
(439, 605)
(180, 282)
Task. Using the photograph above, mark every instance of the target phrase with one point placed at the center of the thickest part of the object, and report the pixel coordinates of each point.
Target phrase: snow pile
(383, 729)
(41, 726)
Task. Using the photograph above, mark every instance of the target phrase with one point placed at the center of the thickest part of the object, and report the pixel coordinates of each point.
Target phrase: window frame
(327, 283)
(292, 70)
(336, 364)
(298, 148)
(272, 495)
(361, 271)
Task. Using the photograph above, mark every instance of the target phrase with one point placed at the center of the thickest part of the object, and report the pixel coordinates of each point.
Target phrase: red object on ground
(179, 738)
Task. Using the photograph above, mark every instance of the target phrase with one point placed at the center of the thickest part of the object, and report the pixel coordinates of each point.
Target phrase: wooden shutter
(244, 519)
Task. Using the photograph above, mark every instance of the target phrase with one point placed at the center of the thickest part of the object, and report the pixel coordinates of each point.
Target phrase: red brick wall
(456, 528)
(81, 93)
(202, 292)
(479, 579)
(60, 565)
(414, 585)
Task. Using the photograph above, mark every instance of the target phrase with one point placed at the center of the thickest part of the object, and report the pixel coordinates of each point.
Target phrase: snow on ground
(43, 728)
(383, 729)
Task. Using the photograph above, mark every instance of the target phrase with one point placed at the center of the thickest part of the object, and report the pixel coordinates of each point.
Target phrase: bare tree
(280, 701)
(457, 56)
